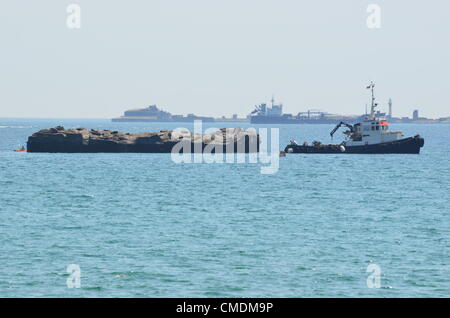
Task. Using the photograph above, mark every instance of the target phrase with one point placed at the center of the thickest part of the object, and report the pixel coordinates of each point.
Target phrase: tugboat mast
(372, 109)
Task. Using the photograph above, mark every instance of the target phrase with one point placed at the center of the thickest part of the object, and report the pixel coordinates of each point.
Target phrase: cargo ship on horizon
(263, 114)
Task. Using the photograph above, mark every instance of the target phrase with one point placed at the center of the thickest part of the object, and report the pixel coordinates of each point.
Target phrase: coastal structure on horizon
(264, 114)
(415, 118)
(154, 114)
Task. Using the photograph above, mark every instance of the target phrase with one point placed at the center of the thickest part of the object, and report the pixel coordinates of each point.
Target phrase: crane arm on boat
(339, 125)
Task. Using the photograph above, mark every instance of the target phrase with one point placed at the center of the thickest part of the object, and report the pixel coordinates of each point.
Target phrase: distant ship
(154, 114)
(371, 136)
(263, 114)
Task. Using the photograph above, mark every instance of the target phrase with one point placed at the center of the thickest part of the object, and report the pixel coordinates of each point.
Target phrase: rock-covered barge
(83, 140)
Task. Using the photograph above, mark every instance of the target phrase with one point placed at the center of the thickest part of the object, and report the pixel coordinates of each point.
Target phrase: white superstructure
(374, 128)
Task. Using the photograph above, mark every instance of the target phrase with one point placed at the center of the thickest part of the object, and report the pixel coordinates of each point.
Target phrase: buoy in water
(21, 149)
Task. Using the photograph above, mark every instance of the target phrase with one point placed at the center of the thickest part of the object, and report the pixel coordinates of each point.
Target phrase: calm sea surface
(141, 225)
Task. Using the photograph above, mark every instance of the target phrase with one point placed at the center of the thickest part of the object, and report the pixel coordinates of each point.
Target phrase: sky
(220, 57)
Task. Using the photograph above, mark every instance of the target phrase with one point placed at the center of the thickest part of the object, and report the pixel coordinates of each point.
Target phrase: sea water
(141, 225)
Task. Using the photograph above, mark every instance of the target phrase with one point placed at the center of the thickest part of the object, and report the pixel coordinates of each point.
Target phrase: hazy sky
(219, 57)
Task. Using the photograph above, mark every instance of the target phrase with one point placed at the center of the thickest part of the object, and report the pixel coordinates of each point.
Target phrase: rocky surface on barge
(81, 140)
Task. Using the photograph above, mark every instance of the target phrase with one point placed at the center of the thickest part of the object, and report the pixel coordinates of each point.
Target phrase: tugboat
(371, 136)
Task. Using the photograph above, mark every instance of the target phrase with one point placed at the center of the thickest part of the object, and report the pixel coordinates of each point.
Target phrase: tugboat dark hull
(409, 145)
